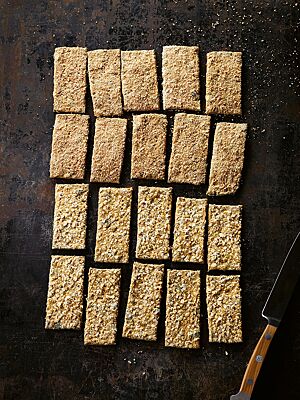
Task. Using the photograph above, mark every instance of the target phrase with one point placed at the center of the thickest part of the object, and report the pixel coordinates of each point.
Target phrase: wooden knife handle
(255, 364)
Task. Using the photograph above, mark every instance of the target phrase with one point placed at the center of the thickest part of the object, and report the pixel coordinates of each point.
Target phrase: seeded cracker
(223, 297)
(227, 158)
(65, 293)
(149, 146)
(139, 80)
(104, 68)
(183, 309)
(69, 227)
(188, 162)
(69, 79)
(189, 230)
(181, 84)
(143, 306)
(102, 306)
(224, 237)
(154, 219)
(114, 209)
(108, 152)
(69, 146)
(224, 82)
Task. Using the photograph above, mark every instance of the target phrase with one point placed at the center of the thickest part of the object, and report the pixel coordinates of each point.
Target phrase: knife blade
(284, 285)
(273, 311)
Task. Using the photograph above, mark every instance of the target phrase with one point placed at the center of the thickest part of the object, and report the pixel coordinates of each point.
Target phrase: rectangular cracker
(69, 146)
(183, 309)
(69, 79)
(139, 80)
(224, 83)
(224, 237)
(188, 162)
(149, 146)
(70, 214)
(104, 68)
(65, 293)
(181, 78)
(113, 226)
(223, 298)
(227, 158)
(102, 306)
(108, 151)
(143, 306)
(189, 230)
(154, 223)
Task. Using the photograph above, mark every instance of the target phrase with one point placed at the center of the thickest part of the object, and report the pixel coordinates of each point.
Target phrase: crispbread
(224, 82)
(154, 222)
(69, 146)
(223, 298)
(224, 237)
(102, 306)
(69, 226)
(139, 80)
(183, 309)
(189, 230)
(143, 306)
(69, 79)
(188, 160)
(104, 68)
(65, 293)
(114, 210)
(181, 83)
(108, 151)
(149, 146)
(227, 158)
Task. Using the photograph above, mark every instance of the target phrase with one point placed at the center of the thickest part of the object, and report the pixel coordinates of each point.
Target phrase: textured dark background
(38, 364)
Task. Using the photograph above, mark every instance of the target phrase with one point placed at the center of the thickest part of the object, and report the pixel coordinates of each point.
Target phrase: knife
(273, 311)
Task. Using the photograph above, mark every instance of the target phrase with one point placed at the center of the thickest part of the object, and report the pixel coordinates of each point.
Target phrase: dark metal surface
(38, 364)
(284, 286)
